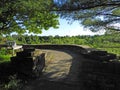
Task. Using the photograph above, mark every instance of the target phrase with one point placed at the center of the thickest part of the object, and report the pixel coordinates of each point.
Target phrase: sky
(66, 29)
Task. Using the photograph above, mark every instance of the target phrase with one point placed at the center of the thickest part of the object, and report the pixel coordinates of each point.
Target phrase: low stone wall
(86, 52)
(73, 48)
(28, 63)
(102, 75)
(96, 61)
(96, 70)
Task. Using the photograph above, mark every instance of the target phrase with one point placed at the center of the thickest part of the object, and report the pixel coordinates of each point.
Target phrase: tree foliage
(93, 14)
(109, 41)
(21, 15)
(35, 15)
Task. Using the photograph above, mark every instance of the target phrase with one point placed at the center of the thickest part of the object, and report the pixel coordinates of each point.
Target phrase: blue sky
(69, 29)
(66, 29)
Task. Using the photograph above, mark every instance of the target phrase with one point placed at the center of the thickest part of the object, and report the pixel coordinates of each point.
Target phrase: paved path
(61, 71)
(61, 65)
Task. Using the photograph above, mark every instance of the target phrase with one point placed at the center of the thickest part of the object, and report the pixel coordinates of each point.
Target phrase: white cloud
(71, 30)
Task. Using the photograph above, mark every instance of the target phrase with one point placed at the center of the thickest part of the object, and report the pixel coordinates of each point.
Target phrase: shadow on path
(61, 71)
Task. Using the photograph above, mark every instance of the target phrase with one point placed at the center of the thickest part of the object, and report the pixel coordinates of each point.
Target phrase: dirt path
(61, 65)
(62, 68)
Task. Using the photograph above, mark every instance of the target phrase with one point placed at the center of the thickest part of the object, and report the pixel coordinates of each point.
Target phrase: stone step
(24, 54)
(28, 54)
(29, 65)
(101, 53)
(23, 62)
(100, 56)
(106, 67)
(22, 59)
(29, 62)
(29, 50)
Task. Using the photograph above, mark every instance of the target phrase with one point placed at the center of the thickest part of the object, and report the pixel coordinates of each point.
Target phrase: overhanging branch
(83, 7)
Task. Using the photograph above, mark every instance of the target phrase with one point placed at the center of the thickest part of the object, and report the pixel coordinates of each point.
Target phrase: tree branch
(108, 14)
(83, 7)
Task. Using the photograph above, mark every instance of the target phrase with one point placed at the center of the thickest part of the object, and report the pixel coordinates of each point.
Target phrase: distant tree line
(110, 42)
(107, 40)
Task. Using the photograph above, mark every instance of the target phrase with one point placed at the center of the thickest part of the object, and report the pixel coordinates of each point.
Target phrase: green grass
(4, 58)
(112, 50)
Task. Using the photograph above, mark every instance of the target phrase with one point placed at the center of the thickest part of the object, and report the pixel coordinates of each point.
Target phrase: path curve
(62, 68)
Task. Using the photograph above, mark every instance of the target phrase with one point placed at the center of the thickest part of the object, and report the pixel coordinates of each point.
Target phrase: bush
(4, 51)
(4, 55)
(13, 84)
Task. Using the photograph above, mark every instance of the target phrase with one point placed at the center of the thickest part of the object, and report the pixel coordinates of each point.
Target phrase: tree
(93, 14)
(21, 15)
(35, 15)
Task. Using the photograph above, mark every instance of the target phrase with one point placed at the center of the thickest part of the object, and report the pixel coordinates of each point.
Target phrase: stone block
(24, 54)
(29, 49)
(101, 53)
(29, 62)
(29, 54)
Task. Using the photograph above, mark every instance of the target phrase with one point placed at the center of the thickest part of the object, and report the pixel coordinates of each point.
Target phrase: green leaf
(116, 11)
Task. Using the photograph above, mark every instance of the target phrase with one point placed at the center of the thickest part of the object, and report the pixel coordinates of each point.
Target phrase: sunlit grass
(4, 58)
(112, 50)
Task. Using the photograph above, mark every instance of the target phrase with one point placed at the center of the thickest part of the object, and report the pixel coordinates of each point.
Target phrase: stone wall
(28, 63)
(86, 52)
(73, 48)
(100, 61)
(100, 69)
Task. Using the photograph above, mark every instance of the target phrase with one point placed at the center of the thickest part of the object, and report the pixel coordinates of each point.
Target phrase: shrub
(13, 84)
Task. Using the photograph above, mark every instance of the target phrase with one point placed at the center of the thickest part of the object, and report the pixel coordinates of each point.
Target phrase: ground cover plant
(5, 55)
